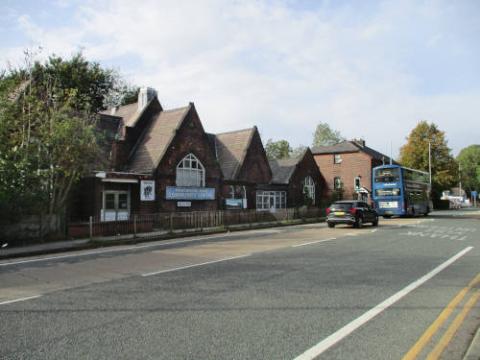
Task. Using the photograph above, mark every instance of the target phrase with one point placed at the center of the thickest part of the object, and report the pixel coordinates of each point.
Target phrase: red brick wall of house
(352, 165)
(190, 138)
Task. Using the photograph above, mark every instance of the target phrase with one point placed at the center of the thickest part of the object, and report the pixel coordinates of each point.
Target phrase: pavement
(271, 293)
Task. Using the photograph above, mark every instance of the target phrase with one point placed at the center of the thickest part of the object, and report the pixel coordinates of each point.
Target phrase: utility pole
(430, 161)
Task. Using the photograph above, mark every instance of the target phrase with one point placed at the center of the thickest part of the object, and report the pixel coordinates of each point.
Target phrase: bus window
(387, 175)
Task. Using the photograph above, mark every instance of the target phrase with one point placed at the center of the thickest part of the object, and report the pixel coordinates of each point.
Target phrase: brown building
(347, 168)
(244, 165)
(299, 179)
(159, 160)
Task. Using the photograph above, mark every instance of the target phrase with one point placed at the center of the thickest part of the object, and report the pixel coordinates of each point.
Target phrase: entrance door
(116, 205)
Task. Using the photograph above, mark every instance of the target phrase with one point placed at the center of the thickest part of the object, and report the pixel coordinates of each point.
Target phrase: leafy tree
(469, 162)
(325, 136)
(414, 154)
(278, 149)
(47, 131)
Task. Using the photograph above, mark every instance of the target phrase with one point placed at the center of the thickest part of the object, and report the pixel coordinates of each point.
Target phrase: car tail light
(352, 210)
(327, 210)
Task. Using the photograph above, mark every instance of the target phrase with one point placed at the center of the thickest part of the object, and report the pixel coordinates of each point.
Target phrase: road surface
(395, 291)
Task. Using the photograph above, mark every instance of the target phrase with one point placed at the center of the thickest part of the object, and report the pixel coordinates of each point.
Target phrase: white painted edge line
(340, 334)
(18, 300)
(314, 242)
(194, 265)
(95, 252)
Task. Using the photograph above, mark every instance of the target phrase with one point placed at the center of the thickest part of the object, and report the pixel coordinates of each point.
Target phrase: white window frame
(335, 187)
(337, 158)
(116, 209)
(359, 178)
(189, 176)
(271, 200)
(309, 186)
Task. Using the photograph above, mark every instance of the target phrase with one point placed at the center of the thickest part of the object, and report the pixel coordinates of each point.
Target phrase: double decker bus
(400, 191)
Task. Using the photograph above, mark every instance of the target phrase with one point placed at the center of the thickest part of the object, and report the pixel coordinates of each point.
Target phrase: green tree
(278, 149)
(414, 154)
(469, 162)
(325, 136)
(47, 131)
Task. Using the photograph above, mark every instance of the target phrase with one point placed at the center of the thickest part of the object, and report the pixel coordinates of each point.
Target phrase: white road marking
(194, 265)
(374, 230)
(18, 300)
(314, 242)
(340, 334)
(96, 252)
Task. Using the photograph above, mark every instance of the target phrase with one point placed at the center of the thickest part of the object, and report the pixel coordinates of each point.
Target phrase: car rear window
(341, 206)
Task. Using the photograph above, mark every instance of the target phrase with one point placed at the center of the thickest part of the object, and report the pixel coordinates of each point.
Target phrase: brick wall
(306, 167)
(352, 165)
(190, 138)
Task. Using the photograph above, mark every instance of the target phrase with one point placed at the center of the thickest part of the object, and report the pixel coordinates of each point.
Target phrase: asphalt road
(284, 293)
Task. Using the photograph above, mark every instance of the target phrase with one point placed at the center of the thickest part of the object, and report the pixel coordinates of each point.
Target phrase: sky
(370, 69)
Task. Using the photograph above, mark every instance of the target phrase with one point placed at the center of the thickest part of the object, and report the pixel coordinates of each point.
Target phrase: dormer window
(190, 172)
(337, 158)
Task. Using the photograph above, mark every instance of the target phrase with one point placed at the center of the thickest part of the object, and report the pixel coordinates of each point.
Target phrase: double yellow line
(444, 315)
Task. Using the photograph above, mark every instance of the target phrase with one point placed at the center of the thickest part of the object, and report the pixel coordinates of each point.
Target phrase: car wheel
(375, 222)
(331, 225)
(359, 222)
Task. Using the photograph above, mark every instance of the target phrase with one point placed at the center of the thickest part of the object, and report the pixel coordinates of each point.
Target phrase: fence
(154, 225)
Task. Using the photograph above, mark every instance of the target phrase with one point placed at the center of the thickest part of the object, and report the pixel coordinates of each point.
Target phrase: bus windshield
(387, 175)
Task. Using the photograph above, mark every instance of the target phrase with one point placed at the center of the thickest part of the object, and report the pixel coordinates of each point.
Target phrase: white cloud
(269, 64)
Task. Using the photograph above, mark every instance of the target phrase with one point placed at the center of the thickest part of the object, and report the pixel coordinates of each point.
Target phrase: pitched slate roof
(283, 169)
(157, 137)
(350, 146)
(129, 113)
(231, 149)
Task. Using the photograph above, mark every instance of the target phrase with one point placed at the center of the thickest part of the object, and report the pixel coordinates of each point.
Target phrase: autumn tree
(326, 136)
(414, 154)
(278, 149)
(469, 163)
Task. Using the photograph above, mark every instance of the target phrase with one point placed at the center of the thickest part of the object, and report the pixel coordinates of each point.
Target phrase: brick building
(347, 168)
(244, 165)
(299, 179)
(154, 160)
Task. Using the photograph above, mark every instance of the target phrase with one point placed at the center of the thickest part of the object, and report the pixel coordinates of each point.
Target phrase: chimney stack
(359, 142)
(144, 96)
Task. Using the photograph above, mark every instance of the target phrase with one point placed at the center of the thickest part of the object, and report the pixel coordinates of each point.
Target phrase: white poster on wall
(147, 190)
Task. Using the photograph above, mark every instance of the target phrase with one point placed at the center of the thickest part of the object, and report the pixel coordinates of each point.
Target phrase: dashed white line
(194, 265)
(339, 335)
(374, 230)
(21, 299)
(314, 242)
(99, 252)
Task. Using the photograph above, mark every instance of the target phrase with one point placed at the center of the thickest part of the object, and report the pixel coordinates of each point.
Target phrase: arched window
(190, 172)
(309, 186)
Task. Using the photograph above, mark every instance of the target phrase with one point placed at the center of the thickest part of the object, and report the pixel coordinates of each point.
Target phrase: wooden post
(134, 226)
(171, 222)
(91, 227)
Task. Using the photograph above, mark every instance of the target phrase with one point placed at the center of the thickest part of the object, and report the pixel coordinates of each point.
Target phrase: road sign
(474, 194)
